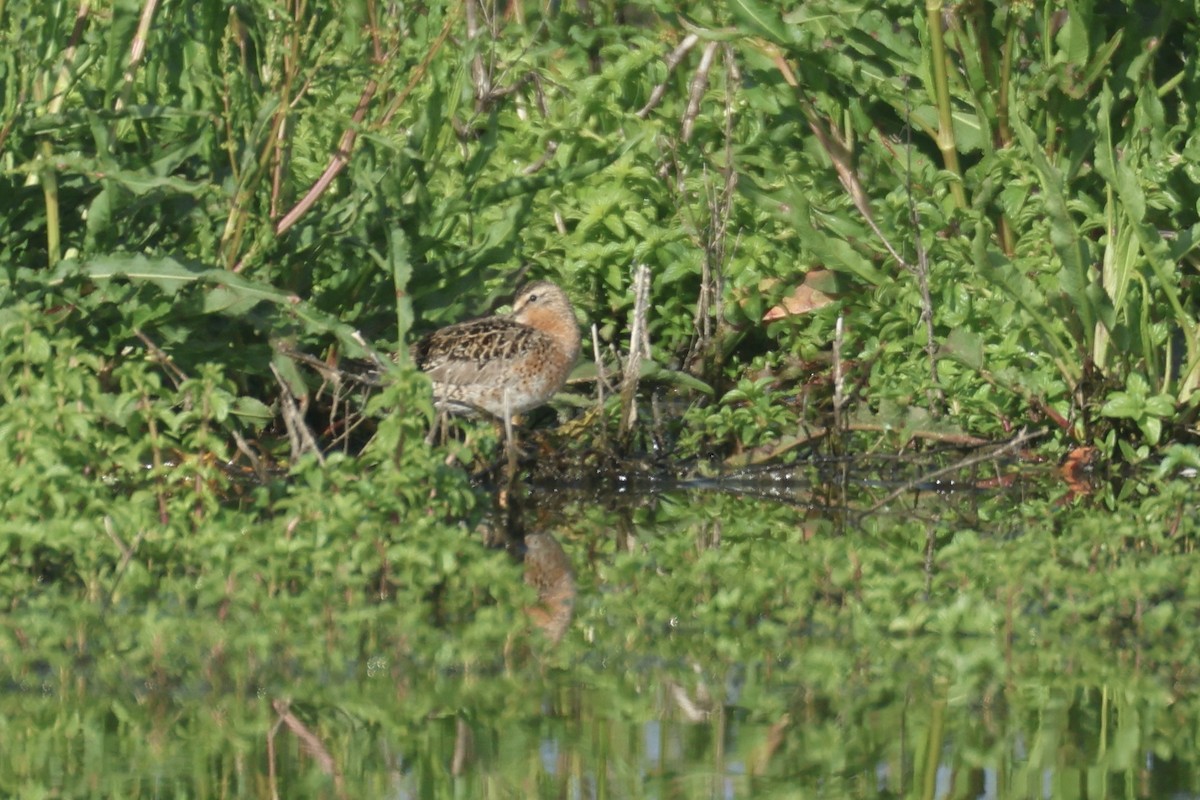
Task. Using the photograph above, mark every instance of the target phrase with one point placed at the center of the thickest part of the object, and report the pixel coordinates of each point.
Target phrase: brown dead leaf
(801, 300)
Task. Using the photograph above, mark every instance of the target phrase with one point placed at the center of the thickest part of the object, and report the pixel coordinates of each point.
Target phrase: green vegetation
(213, 217)
(1006, 199)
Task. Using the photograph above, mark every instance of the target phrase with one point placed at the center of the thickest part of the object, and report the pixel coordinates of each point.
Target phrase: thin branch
(299, 435)
(127, 553)
(419, 72)
(64, 73)
(839, 154)
(601, 383)
(938, 400)
(341, 156)
(312, 745)
(839, 373)
(48, 176)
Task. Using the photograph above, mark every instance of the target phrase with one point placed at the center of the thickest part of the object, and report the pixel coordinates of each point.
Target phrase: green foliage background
(1005, 193)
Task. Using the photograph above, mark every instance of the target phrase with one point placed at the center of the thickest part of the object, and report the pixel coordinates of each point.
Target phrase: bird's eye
(533, 298)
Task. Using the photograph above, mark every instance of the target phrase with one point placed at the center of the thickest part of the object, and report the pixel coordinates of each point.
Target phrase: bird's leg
(510, 446)
(438, 427)
(439, 432)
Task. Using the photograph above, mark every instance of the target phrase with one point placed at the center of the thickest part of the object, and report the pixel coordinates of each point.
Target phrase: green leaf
(1122, 405)
(760, 19)
(615, 226)
(791, 204)
(1064, 235)
(966, 347)
(228, 292)
(1152, 429)
(653, 371)
(1161, 405)
(252, 409)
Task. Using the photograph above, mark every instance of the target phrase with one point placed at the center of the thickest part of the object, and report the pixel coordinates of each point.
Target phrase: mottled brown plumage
(525, 355)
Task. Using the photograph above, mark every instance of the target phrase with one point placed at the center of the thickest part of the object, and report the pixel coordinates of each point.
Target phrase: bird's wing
(480, 351)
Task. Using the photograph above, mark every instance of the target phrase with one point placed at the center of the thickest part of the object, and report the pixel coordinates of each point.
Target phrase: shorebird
(503, 365)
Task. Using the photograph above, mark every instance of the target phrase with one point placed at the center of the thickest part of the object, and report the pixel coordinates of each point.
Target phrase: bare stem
(1008, 447)
(699, 84)
(136, 51)
(341, 157)
(672, 61)
(637, 334)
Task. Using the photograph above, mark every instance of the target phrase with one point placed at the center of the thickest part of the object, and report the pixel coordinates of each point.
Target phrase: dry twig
(341, 156)
(696, 95)
(136, 51)
(672, 61)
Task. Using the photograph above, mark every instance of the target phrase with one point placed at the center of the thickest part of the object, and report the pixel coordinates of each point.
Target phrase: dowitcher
(504, 365)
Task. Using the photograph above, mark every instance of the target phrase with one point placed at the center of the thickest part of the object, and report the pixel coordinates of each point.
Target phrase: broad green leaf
(791, 204)
(1121, 404)
(760, 19)
(966, 347)
(252, 409)
(171, 275)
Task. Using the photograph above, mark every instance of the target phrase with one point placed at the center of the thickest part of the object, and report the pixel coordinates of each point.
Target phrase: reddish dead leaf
(1079, 469)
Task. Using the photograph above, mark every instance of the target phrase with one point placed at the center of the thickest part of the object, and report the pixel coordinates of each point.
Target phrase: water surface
(948, 645)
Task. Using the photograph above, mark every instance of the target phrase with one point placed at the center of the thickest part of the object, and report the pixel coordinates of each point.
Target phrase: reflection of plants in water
(716, 639)
(1020, 629)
